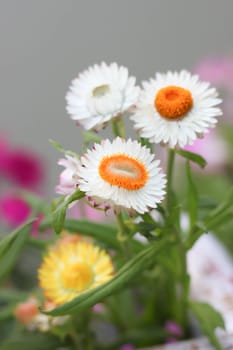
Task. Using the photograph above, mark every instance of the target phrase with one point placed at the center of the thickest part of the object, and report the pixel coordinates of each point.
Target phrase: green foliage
(192, 198)
(129, 271)
(59, 212)
(31, 341)
(193, 157)
(209, 319)
(90, 137)
(11, 246)
(59, 147)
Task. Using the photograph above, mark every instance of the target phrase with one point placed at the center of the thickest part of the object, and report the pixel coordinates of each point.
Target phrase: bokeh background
(45, 44)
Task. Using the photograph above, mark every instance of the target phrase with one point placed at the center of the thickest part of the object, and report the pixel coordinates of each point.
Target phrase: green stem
(181, 280)
(170, 166)
(184, 286)
(118, 128)
(123, 235)
(75, 339)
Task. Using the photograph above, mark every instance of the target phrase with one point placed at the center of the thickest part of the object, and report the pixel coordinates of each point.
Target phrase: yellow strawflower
(72, 269)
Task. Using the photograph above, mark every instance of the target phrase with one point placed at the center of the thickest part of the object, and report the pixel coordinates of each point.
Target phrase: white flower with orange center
(72, 269)
(101, 93)
(176, 108)
(122, 173)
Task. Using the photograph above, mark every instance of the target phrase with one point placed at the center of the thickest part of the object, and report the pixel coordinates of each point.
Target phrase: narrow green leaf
(193, 157)
(101, 232)
(209, 320)
(59, 213)
(223, 206)
(129, 271)
(104, 233)
(221, 215)
(192, 197)
(90, 136)
(59, 147)
(10, 247)
(144, 227)
(36, 202)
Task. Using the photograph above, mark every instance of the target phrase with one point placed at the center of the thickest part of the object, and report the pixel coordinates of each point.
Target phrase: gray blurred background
(45, 44)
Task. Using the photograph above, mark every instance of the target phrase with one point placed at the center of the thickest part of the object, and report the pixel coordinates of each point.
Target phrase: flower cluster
(126, 284)
(174, 109)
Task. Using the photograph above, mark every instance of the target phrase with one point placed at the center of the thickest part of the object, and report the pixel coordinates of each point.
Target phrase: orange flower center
(77, 276)
(173, 102)
(123, 171)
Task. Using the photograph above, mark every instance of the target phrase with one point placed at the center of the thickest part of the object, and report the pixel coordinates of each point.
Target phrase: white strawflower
(101, 93)
(122, 173)
(176, 108)
(68, 178)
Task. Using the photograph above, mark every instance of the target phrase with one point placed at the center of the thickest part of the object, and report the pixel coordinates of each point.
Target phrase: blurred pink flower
(173, 328)
(82, 210)
(211, 147)
(127, 347)
(22, 167)
(14, 210)
(68, 177)
(3, 145)
(98, 308)
(217, 70)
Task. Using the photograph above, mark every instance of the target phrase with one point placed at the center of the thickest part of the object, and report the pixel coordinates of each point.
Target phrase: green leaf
(193, 157)
(11, 295)
(103, 233)
(36, 202)
(59, 147)
(90, 136)
(6, 312)
(129, 271)
(221, 215)
(144, 227)
(209, 319)
(223, 206)
(59, 213)
(31, 341)
(192, 197)
(10, 247)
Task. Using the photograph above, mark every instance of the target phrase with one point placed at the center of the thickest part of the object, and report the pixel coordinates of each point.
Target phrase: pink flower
(217, 70)
(98, 308)
(83, 211)
(127, 347)
(22, 167)
(26, 312)
(213, 148)
(173, 328)
(68, 177)
(14, 210)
